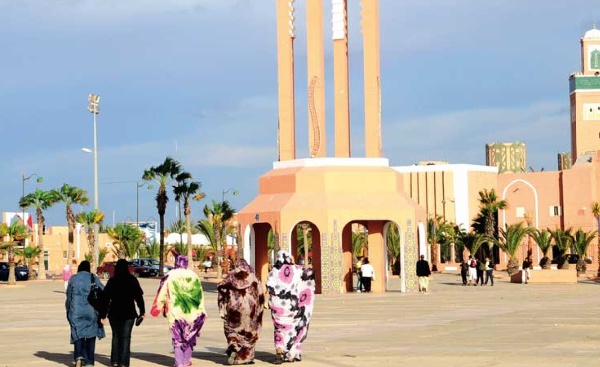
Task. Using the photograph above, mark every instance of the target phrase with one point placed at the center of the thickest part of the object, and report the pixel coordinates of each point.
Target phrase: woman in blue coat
(85, 325)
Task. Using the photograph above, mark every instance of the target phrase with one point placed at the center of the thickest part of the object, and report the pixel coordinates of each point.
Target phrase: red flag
(30, 221)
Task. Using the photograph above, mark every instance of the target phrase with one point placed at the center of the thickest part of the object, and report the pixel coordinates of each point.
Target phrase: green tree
(205, 227)
(187, 190)
(150, 250)
(127, 240)
(219, 214)
(596, 212)
(510, 241)
(17, 233)
(303, 236)
(182, 248)
(392, 236)
(472, 241)
(563, 241)
(40, 200)
(486, 222)
(543, 239)
(360, 243)
(89, 220)
(581, 242)
(71, 195)
(162, 175)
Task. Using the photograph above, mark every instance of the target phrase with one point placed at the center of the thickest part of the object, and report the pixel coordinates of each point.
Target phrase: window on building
(64, 254)
(520, 212)
(555, 211)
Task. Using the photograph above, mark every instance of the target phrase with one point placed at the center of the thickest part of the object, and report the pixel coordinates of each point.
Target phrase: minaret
(584, 90)
(339, 10)
(316, 78)
(285, 63)
(372, 76)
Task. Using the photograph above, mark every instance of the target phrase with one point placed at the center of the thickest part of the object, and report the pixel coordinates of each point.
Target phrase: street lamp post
(233, 191)
(24, 178)
(137, 200)
(94, 108)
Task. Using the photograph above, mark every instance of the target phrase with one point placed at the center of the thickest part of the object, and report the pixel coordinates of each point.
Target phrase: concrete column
(377, 255)
(286, 95)
(316, 78)
(372, 76)
(340, 74)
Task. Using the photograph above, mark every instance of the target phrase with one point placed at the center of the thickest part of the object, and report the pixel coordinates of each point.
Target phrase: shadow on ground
(67, 358)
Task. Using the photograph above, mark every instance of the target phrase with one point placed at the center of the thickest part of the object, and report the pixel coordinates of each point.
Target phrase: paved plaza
(504, 325)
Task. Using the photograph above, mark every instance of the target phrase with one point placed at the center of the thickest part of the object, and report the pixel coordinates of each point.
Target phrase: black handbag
(95, 296)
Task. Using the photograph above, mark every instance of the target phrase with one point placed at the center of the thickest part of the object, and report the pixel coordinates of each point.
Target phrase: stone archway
(315, 251)
(257, 240)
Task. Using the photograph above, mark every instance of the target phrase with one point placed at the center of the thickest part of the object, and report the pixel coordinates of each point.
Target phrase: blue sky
(196, 79)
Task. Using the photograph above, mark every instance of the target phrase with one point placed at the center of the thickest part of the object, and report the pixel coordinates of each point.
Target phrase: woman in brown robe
(241, 304)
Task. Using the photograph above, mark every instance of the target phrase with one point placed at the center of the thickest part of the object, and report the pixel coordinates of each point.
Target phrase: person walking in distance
(66, 275)
(489, 271)
(82, 317)
(368, 274)
(359, 284)
(121, 294)
(423, 273)
(472, 270)
(464, 271)
(525, 272)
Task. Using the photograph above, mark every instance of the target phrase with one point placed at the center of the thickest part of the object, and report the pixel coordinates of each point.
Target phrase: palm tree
(392, 236)
(162, 175)
(219, 215)
(186, 190)
(16, 233)
(40, 200)
(181, 248)
(596, 212)
(563, 241)
(510, 241)
(472, 241)
(127, 240)
(89, 220)
(151, 250)
(581, 242)
(205, 227)
(71, 195)
(304, 241)
(359, 243)
(543, 239)
(486, 221)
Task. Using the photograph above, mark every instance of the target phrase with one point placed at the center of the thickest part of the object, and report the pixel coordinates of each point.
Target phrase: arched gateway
(330, 193)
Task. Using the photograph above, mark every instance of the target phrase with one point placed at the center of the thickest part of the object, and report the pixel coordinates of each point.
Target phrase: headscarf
(84, 266)
(122, 268)
(66, 267)
(283, 257)
(239, 277)
(181, 262)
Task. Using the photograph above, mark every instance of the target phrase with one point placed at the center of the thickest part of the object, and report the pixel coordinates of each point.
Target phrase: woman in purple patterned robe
(241, 305)
(180, 299)
(291, 299)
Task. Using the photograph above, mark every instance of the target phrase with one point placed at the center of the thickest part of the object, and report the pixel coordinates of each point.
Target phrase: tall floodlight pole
(94, 108)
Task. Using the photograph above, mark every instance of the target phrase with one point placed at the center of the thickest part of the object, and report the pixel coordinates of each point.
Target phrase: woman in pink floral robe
(241, 305)
(291, 299)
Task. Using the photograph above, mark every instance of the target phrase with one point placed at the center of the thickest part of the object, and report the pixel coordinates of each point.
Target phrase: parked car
(21, 272)
(144, 268)
(107, 270)
(155, 264)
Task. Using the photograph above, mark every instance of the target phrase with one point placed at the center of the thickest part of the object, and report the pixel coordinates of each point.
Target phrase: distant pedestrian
(241, 305)
(291, 300)
(525, 273)
(489, 271)
(83, 318)
(181, 300)
(480, 271)
(66, 275)
(367, 274)
(472, 270)
(423, 273)
(464, 271)
(359, 284)
(121, 294)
